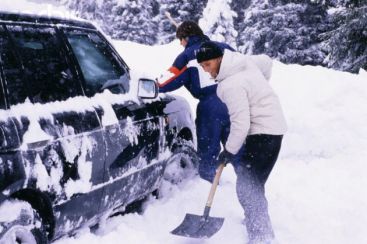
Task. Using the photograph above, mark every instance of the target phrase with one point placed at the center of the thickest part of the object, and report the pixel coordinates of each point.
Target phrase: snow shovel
(196, 226)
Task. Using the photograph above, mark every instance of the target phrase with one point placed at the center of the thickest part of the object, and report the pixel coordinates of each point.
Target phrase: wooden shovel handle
(214, 185)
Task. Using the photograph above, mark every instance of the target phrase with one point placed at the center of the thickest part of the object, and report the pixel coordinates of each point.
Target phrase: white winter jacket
(253, 106)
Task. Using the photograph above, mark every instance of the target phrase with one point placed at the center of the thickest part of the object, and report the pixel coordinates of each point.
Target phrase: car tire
(183, 163)
(26, 228)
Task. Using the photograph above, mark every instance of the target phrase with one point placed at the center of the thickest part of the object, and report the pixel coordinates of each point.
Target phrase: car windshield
(98, 63)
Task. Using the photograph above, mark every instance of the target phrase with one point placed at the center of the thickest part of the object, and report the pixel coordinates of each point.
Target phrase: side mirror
(147, 89)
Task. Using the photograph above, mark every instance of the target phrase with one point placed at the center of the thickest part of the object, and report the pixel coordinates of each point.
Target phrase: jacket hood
(234, 62)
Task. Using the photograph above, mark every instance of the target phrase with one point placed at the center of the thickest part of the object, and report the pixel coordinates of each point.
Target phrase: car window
(98, 63)
(36, 66)
(11, 68)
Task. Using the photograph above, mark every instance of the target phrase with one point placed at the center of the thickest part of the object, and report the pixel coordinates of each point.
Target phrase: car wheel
(23, 227)
(182, 164)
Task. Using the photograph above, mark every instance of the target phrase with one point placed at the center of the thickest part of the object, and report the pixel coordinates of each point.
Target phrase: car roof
(9, 17)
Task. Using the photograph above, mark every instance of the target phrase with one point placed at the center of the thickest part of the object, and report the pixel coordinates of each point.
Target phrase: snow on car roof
(44, 19)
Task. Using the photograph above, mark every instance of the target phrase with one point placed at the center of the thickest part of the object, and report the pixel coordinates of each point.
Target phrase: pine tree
(85, 8)
(218, 23)
(133, 20)
(128, 20)
(347, 43)
(180, 11)
(166, 29)
(287, 31)
(327, 32)
(104, 16)
(239, 6)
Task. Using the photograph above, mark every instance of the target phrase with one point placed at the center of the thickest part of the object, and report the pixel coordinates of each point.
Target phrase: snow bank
(316, 191)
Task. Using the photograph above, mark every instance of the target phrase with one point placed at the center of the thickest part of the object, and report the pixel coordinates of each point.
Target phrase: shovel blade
(196, 226)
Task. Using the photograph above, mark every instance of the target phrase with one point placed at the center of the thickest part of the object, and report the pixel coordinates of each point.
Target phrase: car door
(9, 140)
(133, 134)
(133, 149)
(61, 138)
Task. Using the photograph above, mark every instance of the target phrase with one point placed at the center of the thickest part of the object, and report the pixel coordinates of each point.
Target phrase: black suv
(79, 139)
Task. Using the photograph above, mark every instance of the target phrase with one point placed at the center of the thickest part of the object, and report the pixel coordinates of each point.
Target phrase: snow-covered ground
(316, 191)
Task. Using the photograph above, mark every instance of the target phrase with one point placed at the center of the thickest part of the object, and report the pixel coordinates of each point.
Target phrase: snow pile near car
(10, 210)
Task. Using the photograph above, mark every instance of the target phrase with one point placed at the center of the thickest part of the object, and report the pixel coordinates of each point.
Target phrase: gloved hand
(163, 77)
(225, 157)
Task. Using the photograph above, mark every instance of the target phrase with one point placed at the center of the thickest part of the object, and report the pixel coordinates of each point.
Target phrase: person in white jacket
(257, 125)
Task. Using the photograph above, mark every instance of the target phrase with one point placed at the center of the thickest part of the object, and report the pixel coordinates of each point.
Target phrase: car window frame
(58, 35)
(117, 57)
(16, 54)
(3, 101)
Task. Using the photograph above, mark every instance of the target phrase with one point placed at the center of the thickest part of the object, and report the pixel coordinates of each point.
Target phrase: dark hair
(208, 50)
(188, 28)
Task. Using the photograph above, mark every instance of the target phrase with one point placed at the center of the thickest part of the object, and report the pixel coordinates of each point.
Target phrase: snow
(152, 63)
(217, 21)
(131, 131)
(83, 183)
(142, 165)
(316, 191)
(34, 132)
(48, 8)
(40, 173)
(10, 210)
(34, 112)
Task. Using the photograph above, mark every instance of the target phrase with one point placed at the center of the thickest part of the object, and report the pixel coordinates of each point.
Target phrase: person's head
(186, 29)
(209, 56)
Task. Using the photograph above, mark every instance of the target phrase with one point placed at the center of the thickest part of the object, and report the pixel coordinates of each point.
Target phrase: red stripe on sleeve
(176, 73)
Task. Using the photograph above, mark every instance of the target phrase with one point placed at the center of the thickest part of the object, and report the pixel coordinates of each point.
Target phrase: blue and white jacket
(186, 71)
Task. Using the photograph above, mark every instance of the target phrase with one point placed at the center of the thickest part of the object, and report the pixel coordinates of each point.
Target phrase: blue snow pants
(212, 128)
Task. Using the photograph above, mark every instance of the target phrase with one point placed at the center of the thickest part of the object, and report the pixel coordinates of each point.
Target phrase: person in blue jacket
(212, 119)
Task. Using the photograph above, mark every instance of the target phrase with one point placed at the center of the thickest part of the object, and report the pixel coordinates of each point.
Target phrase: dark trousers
(258, 159)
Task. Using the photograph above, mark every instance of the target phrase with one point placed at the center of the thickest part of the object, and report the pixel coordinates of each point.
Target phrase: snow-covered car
(80, 138)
